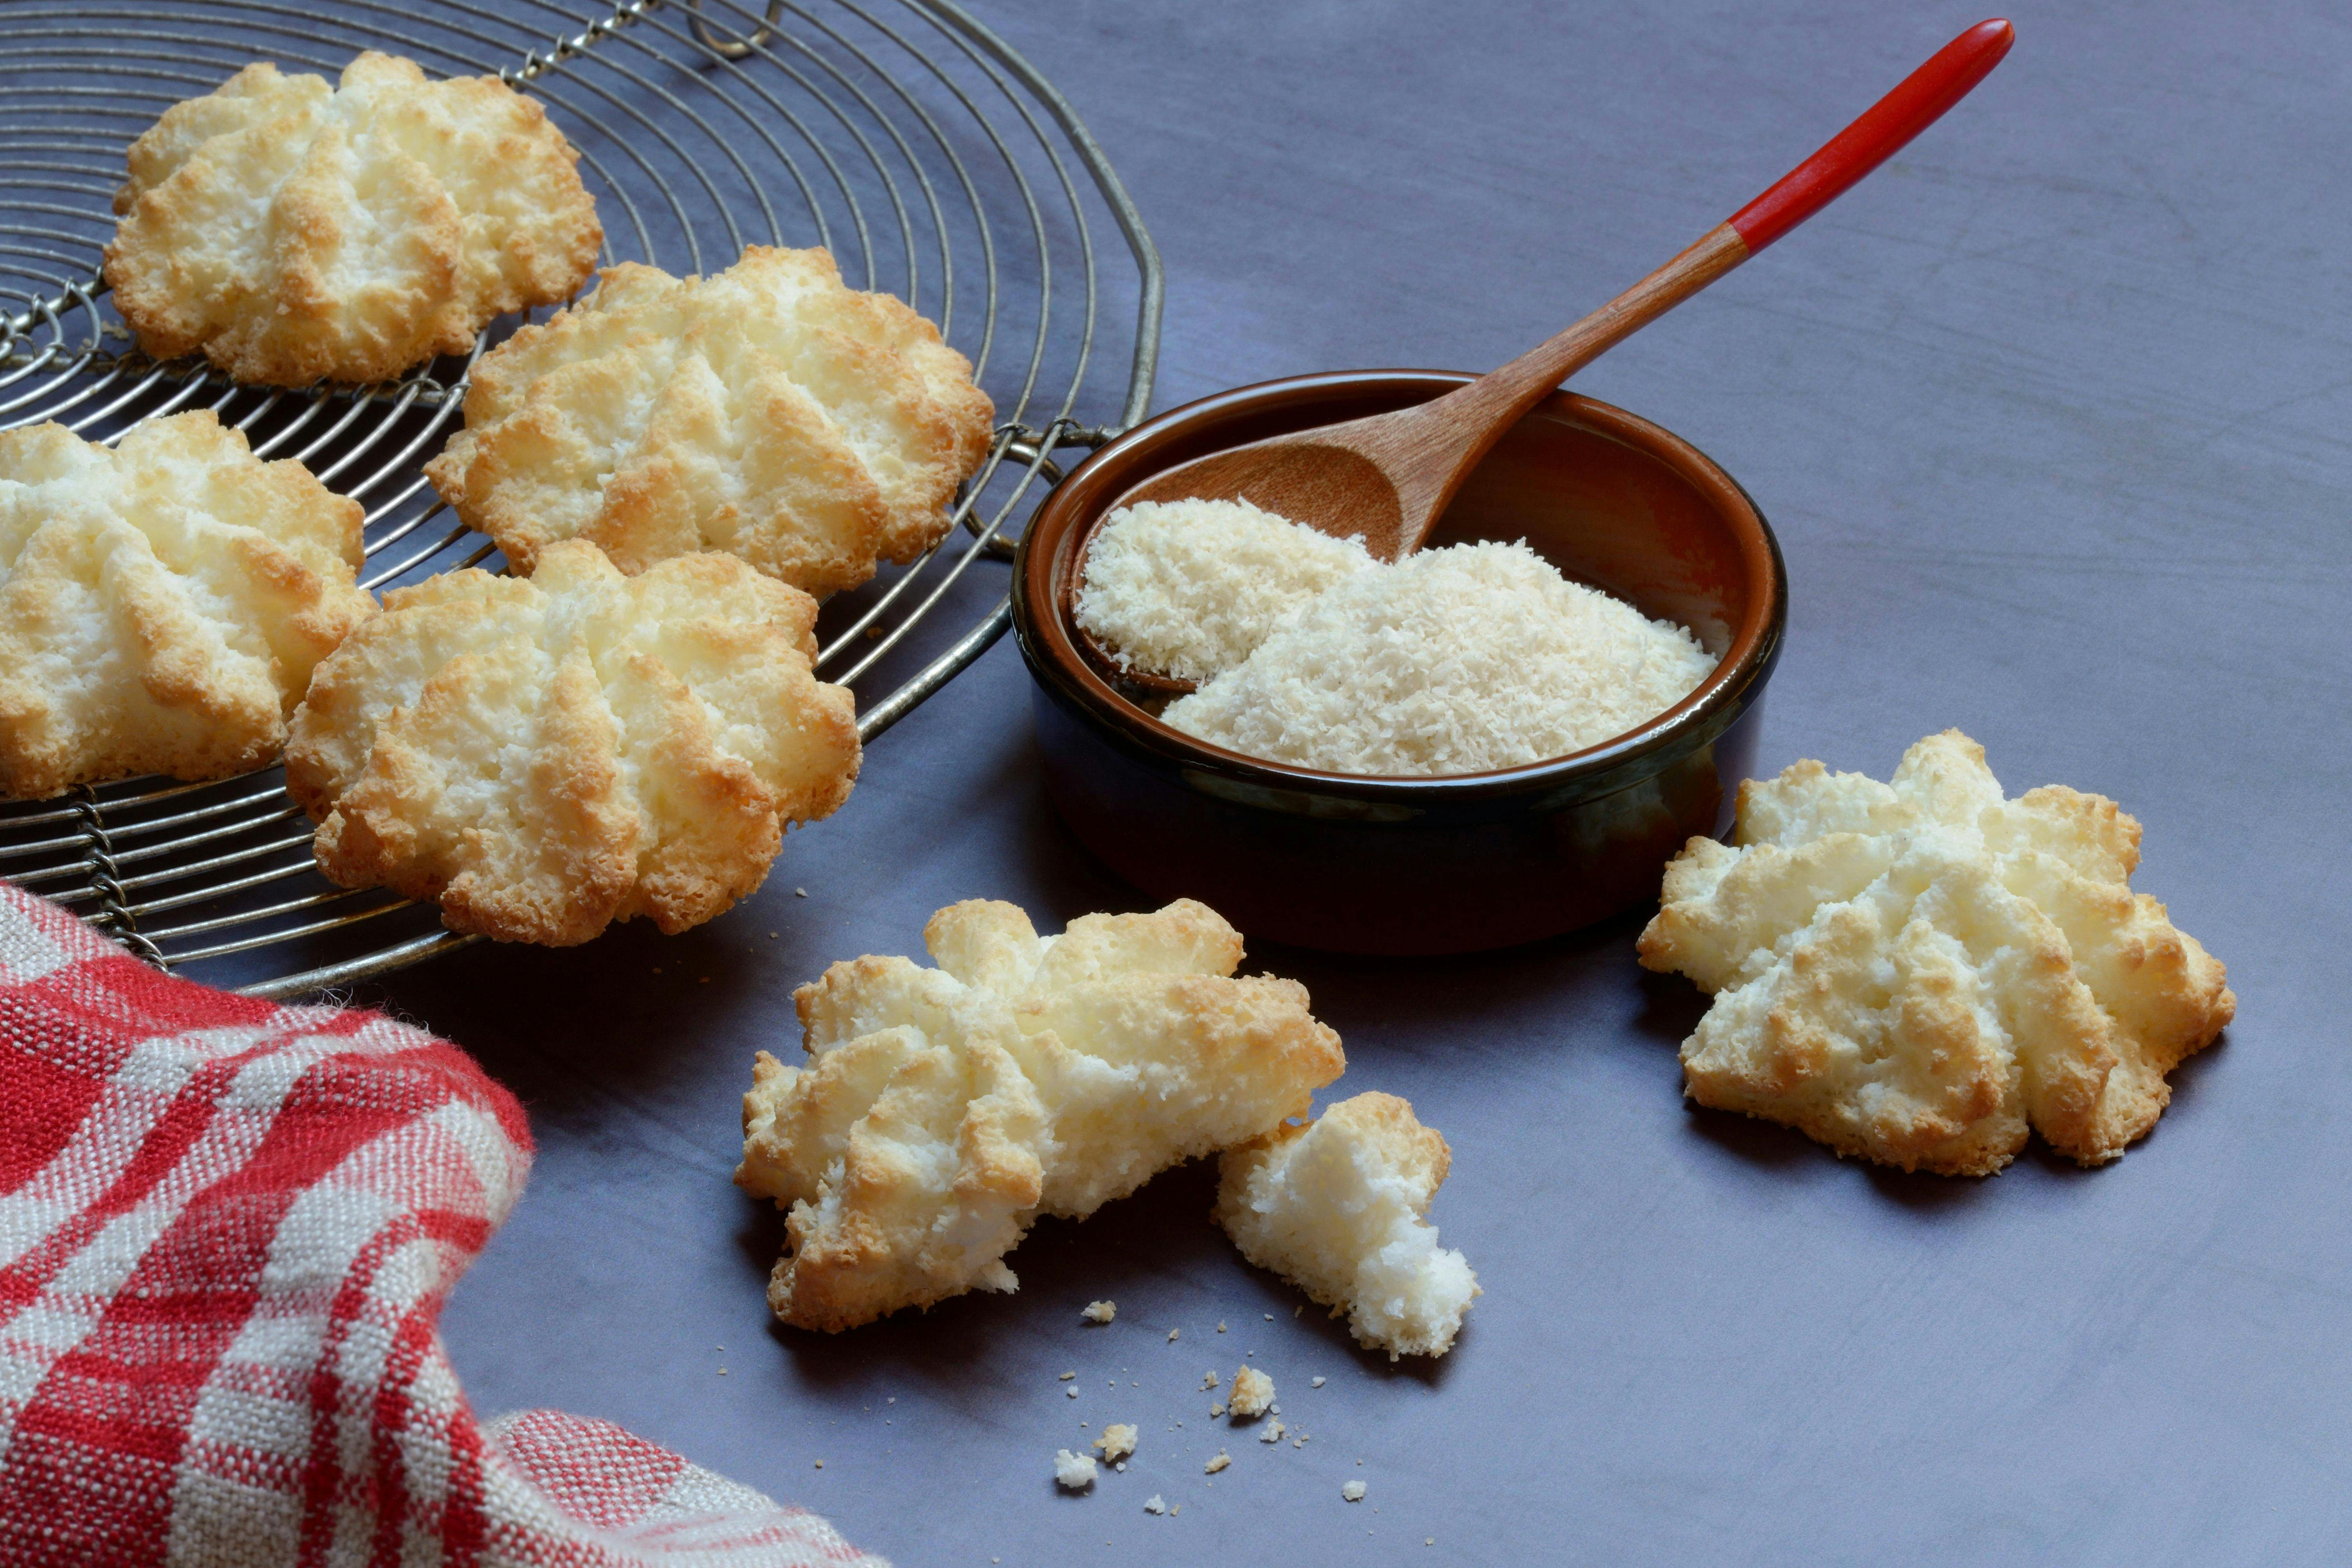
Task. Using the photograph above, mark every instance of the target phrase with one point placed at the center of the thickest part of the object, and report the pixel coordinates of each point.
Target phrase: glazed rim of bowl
(1041, 612)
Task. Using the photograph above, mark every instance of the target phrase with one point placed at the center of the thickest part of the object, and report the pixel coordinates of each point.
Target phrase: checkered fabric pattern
(227, 1229)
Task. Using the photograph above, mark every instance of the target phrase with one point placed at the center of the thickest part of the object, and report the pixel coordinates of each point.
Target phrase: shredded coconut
(1189, 588)
(1452, 661)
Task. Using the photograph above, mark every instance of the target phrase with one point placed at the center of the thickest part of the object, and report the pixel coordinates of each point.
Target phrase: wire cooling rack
(929, 157)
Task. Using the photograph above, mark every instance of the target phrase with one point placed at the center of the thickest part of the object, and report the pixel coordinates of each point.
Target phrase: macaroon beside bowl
(1351, 863)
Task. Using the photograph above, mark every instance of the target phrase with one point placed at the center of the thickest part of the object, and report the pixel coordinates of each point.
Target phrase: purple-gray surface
(2050, 417)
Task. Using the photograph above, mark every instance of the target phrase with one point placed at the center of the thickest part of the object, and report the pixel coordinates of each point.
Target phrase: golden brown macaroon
(941, 1111)
(548, 755)
(1919, 971)
(162, 605)
(296, 232)
(767, 411)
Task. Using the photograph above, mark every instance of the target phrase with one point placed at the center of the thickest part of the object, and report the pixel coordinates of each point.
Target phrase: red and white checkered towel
(227, 1229)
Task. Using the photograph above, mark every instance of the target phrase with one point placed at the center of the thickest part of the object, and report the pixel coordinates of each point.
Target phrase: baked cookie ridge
(767, 411)
(1922, 970)
(295, 232)
(548, 755)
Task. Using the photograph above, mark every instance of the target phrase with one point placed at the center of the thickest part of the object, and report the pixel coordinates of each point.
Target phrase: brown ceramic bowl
(1359, 864)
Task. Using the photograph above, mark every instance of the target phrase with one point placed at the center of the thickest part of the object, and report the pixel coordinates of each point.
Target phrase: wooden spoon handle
(1494, 402)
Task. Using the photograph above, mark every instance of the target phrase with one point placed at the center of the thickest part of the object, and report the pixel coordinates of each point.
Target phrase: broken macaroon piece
(1335, 1205)
(940, 1111)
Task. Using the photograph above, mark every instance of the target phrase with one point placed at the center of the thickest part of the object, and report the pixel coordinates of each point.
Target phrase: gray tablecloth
(2050, 418)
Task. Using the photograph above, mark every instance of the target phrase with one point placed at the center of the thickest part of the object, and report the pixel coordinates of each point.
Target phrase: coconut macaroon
(1451, 662)
(1190, 588)
(162, 604)
(295, 231)
(1336, 1208)
(1920, 970)
(548, 755)
(767, 411)
(940, 1111)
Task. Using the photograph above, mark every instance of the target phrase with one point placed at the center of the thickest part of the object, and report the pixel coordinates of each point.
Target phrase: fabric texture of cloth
(226, 1231)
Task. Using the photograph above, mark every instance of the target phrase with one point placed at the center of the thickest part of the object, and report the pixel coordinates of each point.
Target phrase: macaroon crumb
(1116, 1442)
(1273, 1434)
(1218, 1463)
(1155, 1503)
(1075, 1472)
(1354, 1491)
(1171, 1335)
(1318, 1383)
(1100, 1312)
(1251, 1393)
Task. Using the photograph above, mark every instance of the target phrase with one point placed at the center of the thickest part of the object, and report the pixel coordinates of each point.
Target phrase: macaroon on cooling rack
(923, 150)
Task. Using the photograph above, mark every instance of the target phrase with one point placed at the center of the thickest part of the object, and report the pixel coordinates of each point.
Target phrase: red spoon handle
(1916, 102)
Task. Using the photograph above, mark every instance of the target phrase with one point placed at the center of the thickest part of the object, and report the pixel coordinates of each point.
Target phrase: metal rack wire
(904, 136)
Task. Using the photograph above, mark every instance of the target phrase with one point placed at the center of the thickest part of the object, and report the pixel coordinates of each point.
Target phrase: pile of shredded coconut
(1452, 661)
(1190, 588)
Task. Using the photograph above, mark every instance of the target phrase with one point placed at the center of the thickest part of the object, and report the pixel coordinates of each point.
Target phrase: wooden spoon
(1388, 478)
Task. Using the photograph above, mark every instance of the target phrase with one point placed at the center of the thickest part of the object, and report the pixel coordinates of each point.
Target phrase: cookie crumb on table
(1100, 1312)
(1354, 1491)
(1218, 1463)
(1251, 1393)
(1074, 1471)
